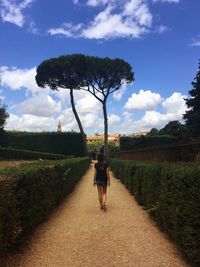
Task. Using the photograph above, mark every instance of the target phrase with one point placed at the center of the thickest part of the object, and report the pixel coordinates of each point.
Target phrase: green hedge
(129, 143)
(30, 192)
(10, 153)
(48, 142)
(171, 195)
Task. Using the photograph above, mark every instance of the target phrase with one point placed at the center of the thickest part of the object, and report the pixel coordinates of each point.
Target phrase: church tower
(59, 128)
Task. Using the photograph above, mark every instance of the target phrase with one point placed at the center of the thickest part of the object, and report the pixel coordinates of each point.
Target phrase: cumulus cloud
(17, 79)
(41, 105)
(90, 121)
(29, 122)
(113, 119)
(67, 120)
(12, 11)
(87, 104)
(144, 100)
(173, 109)
(116, 19)
(129, 18)
(175, 104)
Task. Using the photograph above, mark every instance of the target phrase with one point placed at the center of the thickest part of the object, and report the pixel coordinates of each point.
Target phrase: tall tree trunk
(106, 152)
(78, 121)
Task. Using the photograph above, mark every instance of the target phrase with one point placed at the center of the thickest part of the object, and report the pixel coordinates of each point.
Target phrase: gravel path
(79, 234)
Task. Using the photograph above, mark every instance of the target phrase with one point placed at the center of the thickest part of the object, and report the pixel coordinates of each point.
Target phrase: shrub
(48, 142)
(30, 192)
(171, 195)
(129, 143)
(9, 153)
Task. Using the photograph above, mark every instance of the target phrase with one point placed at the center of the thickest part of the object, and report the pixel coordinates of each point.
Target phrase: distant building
(140, 133)
(99, 138)
(59, 127)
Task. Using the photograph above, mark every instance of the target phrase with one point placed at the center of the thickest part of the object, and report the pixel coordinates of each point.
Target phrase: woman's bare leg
(104, 195)
(100, 195)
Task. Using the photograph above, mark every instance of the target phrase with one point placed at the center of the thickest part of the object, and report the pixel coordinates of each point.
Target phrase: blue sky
(159, 38)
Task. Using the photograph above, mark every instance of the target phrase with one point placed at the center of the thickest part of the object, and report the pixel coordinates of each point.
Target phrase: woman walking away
(101, 179)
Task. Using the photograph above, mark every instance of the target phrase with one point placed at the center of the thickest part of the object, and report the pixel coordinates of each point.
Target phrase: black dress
(101, 178)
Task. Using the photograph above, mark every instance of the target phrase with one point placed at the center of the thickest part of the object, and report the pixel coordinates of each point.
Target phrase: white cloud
(127, 115)
(175, 104)
(30, 123)
(89, 120)
(1, 95)
(144, 100)
(167, 1)
(116, 20)
(32, 28)
(67, 29)
(140, 10)
(173, 109)
(67, 120)
(162, 28)
(117, 95)
(112, 24)
(12, 11)
(41, 105)
(196, 41)
(87, 104)
(113, 119)
(97, 2)
(17, 79)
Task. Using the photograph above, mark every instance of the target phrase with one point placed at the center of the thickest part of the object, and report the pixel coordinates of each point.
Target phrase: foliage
(95, 148)
(29, 193)
(173, 128)
(3, 116)
(171, 195)
(192, 116)
(10, 153)
(98, 76)
(129, 143)
(48, 142)
(103, 77)
(64, 72)
(153, 131)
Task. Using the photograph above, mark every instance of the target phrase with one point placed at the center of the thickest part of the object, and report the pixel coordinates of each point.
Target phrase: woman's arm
(95, 175)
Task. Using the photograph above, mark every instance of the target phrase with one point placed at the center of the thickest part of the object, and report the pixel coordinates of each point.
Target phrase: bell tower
(59, 127)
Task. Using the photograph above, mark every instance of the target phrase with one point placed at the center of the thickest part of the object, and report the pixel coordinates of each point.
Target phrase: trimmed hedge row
(30, 192)
(171, 195)
(10, 153)
(66, 143)
(130, 143)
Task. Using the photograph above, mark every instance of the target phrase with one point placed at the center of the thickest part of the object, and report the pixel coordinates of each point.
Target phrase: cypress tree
(192, 116)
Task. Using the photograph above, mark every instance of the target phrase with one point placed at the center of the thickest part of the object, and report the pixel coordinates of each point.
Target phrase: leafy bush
(30, 192)
(171, 195)
(129, 143)
(9, 153)
(48, 142)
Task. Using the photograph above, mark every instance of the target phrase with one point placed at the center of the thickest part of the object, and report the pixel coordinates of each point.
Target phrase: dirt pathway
(79, 234)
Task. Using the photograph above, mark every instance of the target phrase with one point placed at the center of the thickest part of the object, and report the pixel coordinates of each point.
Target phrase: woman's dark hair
(100, 157)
